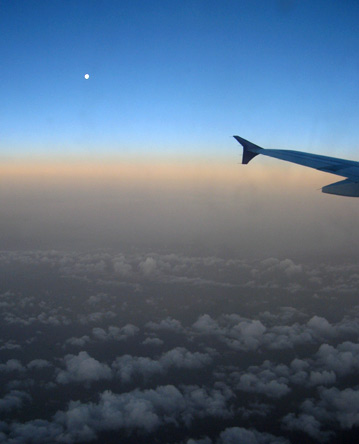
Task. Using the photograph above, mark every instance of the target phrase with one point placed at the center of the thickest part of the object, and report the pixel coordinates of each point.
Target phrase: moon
(87, 76)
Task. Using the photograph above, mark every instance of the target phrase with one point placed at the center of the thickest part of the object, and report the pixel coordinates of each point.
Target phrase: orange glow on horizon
(163, 173)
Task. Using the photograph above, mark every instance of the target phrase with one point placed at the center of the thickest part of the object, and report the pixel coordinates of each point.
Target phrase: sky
(172, 78)
(152, 288)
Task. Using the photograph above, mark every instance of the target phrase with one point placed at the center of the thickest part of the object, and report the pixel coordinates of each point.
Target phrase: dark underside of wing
(340, 167)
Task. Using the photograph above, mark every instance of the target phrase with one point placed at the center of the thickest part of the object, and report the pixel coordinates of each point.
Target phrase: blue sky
(178, 77)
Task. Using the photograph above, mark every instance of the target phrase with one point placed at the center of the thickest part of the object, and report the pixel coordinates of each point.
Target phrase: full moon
(87, 76)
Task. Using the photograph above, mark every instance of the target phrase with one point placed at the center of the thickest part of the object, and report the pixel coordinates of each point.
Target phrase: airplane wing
(340, 167)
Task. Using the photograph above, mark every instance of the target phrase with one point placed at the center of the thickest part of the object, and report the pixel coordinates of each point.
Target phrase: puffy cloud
(153, 341)
(78, 342)
(205, 440)
(321, 327)
(315, 330)
(97, 316)
(43, 318)
(82, 368)
(169, 324)
(116, 333)
(13, 400)
(148, 266)
(207, 325)
(121, 267)
(334, 406)
(343, 360)
(343, 405)
(272, 265)
(127, 366)
(129, 330)
(238, 333)
(307, 424)
(289, 267)
(10, 345)
(98, 298)
(38, 364)
(139, 410)
(276, 380)
(12, 365)
(37, 431)
(322, 378)
(235, 435)
(248, 334)
(268, 379)
(181, 358)
(240, 435)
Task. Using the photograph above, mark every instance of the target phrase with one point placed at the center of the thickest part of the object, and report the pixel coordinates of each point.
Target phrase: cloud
(115, 333)
(82, 368)
(235, 435)
(271, 380)
(181, 358)
(98, 298)
(343, 359)
(307, 424)
(38, 364)
(13, 400)
(121, 267)
(97, 316)
(78, 342)
(12, 365)
(144, 411)
(240, 435)
(10, 345)
(169, 324)
(334, 406)
(277, 380)
(153, 342)
(127, 366)
(321, 327)
(148, 266)
(238, 333)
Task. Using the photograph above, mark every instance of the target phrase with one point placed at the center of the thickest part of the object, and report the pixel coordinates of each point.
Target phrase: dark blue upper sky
(178, 76)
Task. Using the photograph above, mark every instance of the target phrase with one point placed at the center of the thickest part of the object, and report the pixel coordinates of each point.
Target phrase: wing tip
(249, 149)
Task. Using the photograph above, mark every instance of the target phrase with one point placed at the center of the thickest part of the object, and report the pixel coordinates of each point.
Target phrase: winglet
(249, 149)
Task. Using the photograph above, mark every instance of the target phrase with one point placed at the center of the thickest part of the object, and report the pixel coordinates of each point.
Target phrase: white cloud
(166, 324)
(236, 435)
(38, 364)
(82, 368)
(78, 342)
(307, 424)
(138, 410)
(12, 365)
(97, 316)
(115, 333)
(238, 333)
(153, 341)
(240, 435)
(321, 327)
(334, 406)
(13, 400)
(343, 359)
(271, 380)
(10, 345)
(148, 266)
(127, 366)
(121, 267)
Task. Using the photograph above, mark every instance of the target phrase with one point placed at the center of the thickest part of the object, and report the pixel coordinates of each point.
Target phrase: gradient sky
(174, 79)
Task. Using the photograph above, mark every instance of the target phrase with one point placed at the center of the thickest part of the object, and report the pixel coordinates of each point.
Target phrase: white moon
(87, 76)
